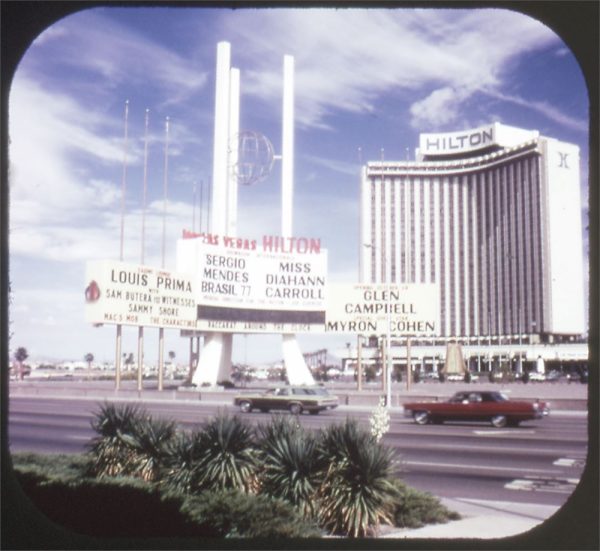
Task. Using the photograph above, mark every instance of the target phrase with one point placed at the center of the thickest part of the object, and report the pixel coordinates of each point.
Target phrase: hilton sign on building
(493, 216)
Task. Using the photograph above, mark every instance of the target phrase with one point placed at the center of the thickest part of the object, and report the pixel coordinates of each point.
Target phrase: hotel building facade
(493, 216)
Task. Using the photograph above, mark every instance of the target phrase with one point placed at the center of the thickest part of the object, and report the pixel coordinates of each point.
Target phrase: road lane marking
(492, 432)
(564, 462)
(551, 485)
(570, 462)
(464, 467)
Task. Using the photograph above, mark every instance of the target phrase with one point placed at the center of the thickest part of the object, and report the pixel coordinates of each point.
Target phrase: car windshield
(499, 396)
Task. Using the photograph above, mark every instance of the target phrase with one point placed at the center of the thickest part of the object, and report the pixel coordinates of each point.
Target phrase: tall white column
(297, 371)
(234, 129)
(221, 141)
(287, 148)
(215, 362)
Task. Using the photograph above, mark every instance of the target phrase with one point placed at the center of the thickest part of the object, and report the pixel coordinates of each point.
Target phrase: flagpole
(194, 208)
(140, 382)
(161, 331)
(118, 343)
(145, 191)
(200, 206)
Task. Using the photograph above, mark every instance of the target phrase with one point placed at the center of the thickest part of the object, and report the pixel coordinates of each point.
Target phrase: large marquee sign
(128, 294)
(483, 138)
(453, 142)
(407, 309)
(245, 286)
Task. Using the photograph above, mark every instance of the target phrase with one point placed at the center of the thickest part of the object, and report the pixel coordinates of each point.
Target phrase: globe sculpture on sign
(255, 157)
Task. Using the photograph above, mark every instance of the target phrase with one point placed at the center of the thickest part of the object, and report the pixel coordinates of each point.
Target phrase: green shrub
(127, 507)
(181, 466)
(63, 466)
(357, 492)
(230, 513)
(413, 509)
(228, 460)
(109, 453)
(291, 467)
(107, 507)
(147, 444)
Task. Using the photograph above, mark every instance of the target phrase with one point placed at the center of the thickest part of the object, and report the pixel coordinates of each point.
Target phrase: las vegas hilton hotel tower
(493, 216)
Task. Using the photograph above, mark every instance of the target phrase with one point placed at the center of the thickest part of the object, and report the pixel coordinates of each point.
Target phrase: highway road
(538, 462)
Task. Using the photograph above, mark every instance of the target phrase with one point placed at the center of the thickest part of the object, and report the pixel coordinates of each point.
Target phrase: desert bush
(230, 513)
(126, 507)
(109, 454)
(229, 458)
(181, 466)
(129, 442)
(414, 509)
(147, 444)
(50, 466)
(291, 467)
(357, 492)
(105, 507)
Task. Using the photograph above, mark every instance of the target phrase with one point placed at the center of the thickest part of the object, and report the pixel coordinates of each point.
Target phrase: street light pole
(388, 398)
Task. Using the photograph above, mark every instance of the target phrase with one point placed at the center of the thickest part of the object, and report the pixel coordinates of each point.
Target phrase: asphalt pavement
(481, 519)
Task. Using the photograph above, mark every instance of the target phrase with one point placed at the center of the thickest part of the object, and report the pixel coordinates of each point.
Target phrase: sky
(367, 81)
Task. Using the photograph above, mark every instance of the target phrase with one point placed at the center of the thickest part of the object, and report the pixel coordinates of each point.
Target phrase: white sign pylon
(215, 360)
(296, 369)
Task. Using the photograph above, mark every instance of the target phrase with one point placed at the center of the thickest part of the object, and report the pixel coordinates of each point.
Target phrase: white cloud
(439, 108)
(47, 131)
(346, 58)
(544, 108)
(100, 44)
(341, 167)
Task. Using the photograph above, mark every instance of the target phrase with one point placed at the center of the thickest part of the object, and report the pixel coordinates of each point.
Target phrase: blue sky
(369, 79)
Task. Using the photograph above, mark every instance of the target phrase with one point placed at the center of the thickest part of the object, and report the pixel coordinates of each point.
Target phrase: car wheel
(499, 421)
(421, 417)
(246, 406)
(295, 409)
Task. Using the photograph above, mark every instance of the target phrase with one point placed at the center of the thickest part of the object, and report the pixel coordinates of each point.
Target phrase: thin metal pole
(119, 336)
(388, 279)
(359, 362)
(165, 188)
(119, 339)
(200, 206)
(140, 358)
(194, 208)
(123, 180)
(161, 330)
(145, 190)
(408, 363)
(161, 355)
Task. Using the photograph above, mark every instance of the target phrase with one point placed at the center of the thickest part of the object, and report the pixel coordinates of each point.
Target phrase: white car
(535, 376)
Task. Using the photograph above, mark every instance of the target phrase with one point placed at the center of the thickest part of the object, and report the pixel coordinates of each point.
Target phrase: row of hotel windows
(477, 235)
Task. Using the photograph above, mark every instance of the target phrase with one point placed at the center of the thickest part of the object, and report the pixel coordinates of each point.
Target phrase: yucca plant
(109, 453)
(291, 466)
(181, 471)
(148, 441)
(229, 458)
(357, 492)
